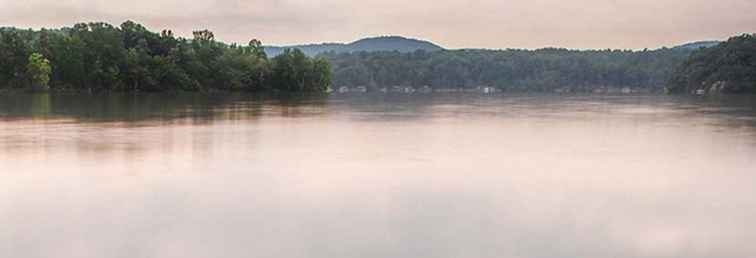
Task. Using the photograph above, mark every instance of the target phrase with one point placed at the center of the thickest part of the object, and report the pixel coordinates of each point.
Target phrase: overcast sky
(451, 23)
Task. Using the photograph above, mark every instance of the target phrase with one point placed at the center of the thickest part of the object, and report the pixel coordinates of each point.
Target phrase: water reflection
(377, 176)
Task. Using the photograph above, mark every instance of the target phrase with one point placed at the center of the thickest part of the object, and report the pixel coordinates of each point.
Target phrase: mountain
(697, 45)
(386, 43)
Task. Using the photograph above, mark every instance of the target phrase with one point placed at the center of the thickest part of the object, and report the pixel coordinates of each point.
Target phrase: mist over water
(377, 176)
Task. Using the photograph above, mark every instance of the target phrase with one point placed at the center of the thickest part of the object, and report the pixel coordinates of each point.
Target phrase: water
(396, 176)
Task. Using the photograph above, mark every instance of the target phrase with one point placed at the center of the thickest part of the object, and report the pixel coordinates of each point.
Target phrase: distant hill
(697, 45)
(386, 43)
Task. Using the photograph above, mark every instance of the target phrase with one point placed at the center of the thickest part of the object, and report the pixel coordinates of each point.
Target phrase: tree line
(99, 57)
(729, 67)
(510, 70)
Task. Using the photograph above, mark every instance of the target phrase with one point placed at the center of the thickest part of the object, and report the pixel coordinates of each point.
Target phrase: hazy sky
(452, 24)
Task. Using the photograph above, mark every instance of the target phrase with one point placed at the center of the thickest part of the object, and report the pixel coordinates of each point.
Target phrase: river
(444, 175)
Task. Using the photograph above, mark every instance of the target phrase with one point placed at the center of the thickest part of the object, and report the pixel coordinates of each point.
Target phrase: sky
(586, 24)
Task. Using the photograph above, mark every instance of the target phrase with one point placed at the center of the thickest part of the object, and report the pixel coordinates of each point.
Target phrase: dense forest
(548, 69)
(97, 57)
(729, 67)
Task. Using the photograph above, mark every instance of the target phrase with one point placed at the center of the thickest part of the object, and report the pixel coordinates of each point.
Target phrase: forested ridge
(729, 67)
(509, 70)
(374, 44)
(97, 57)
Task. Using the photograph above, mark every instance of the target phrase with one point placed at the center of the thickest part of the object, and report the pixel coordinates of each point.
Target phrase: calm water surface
(426, 176)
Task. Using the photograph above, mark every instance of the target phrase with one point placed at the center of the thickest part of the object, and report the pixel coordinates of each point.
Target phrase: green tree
(14, 54)
(728, 67)
(38, 69)
(100, 57)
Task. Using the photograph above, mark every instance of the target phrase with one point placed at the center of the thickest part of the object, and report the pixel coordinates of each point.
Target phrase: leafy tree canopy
(102, 57)
(727, 67)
